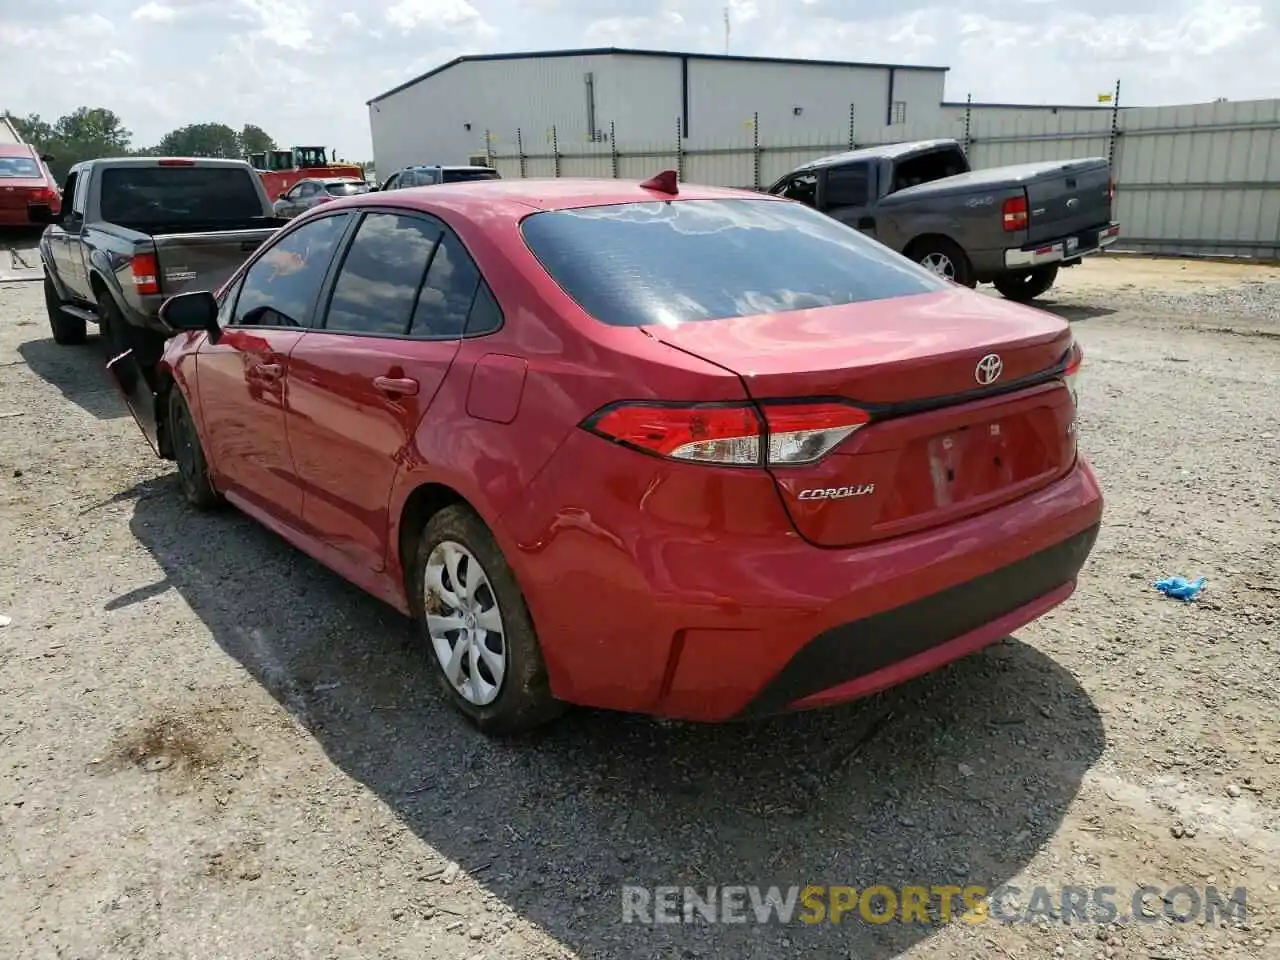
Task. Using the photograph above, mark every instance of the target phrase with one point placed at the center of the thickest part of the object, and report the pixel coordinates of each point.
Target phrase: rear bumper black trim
(861, 647)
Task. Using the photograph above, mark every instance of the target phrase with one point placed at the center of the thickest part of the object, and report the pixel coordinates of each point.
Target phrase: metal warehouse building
(649, 97)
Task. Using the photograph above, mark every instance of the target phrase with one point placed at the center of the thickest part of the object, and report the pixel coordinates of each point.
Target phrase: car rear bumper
(1057, 251)
(656, 612)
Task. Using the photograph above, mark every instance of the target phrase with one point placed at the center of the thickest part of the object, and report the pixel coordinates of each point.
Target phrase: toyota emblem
(988, 370)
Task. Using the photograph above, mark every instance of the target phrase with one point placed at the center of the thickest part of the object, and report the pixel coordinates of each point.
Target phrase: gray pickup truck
(1012, 226)
(135, 231)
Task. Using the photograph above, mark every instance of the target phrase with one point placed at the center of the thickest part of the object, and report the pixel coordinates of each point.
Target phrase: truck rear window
(167, 195)
(637, 264)
(466, 176)
(345, 189)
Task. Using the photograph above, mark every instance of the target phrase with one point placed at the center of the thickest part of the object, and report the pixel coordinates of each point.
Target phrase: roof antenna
(664, 182)
(726, 31)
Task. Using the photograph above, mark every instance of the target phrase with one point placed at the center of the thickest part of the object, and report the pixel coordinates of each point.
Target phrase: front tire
(477, 627)
(193, 468)
(67, 330)
(1025, 285)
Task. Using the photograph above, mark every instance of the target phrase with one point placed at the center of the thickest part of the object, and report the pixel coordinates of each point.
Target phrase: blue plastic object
(1180, 588)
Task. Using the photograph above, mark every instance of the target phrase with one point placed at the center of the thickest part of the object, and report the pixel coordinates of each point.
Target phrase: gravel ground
(210, 747)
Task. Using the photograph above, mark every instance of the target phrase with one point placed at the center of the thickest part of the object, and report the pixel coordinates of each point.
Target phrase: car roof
(516, 198)
(441, 166)
(886, 151)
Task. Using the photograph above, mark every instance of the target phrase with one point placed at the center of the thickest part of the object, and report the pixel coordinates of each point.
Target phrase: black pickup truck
(134, 231)
(1011, 226)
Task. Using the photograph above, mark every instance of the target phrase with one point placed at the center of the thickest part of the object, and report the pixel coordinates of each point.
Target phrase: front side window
(280, 288)
(635, 264)
(802, 187)
(378, 282)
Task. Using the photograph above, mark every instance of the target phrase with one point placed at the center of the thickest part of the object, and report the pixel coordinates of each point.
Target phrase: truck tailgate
(204, 261)
(1072, 197)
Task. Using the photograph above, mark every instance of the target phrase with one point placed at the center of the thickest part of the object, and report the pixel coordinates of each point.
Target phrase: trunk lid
(204, 261)
(941, 443)
(17, 192)
(1070, 199)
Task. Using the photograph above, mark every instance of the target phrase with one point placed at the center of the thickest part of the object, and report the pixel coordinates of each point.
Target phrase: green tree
(200, 140)
(84, 134)
(253, 139)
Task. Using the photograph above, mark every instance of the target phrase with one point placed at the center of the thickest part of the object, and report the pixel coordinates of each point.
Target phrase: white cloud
(154, 13)
(302, 69)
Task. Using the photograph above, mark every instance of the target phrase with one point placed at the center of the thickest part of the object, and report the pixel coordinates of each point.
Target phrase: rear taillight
(175, 162)
(730, 434)
(146, 273)
(1014, 212)
(44, 195)
(1071, 375)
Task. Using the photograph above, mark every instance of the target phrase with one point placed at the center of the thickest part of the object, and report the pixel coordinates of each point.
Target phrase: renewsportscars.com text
(880, 904)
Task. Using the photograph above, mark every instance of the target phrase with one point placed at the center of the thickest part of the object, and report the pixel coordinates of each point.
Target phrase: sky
(303, 69)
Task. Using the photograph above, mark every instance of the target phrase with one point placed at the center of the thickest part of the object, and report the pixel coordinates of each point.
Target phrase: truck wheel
(946, 259)
(1026, 285)
(67, 330)
(193, 468)
(478, 630)
(111, 327)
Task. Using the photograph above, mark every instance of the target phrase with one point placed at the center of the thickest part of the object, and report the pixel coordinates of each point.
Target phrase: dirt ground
(210, 747)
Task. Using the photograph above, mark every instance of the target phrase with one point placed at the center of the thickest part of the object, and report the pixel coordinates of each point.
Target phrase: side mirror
(279, 196)
(192, 311)
(47, 157)
(41, 214)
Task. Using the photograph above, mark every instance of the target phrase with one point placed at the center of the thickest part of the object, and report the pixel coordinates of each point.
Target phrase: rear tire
(1025, 285)
(945, 258)
(193, 468)
(111, 327)
(476, 625)
(67, 330)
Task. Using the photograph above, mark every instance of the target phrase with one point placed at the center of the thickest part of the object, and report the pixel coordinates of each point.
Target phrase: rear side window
(447, 295)
(637, 264)
(166, 195)
(378, 283)
(848, 186)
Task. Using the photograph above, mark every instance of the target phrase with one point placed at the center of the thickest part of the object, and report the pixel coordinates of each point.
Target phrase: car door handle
(403, 386)
(269, 371)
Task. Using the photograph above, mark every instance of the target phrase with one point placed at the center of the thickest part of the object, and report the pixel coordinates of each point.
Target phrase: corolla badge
(837, 493)
(988, 369)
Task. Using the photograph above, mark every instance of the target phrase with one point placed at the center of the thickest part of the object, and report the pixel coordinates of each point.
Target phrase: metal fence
(1197, 180)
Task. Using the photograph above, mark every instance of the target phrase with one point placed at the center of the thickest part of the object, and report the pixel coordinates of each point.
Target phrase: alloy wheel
(940, 264)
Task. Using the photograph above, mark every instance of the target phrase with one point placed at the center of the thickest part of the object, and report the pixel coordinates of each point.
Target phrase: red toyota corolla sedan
(692, 452)
(24, 182)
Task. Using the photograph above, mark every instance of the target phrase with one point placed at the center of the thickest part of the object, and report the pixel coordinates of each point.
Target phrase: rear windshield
(345, 189)
(636, 264)
(19, 167)
(168, 195)
(461, 176)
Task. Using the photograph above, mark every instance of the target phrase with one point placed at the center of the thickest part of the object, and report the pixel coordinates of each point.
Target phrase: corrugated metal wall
(1202, 179)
